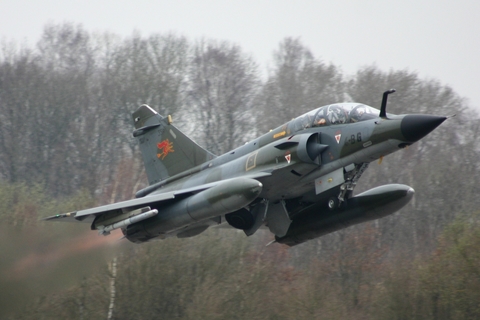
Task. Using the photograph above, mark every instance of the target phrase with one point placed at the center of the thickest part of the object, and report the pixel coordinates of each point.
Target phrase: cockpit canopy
(334, 114)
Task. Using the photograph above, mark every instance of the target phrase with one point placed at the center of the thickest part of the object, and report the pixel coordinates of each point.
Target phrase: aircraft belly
(279, 186)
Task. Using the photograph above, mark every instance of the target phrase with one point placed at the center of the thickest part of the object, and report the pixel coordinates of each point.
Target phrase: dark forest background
(66, 144)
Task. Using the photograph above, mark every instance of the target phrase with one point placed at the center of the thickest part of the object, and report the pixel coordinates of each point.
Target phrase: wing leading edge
(116, 209)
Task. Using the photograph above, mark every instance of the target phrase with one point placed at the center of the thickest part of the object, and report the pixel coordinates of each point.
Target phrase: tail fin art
(166, 151)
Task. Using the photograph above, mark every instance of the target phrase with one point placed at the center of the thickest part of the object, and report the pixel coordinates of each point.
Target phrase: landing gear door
(278, 220)
(329, 181)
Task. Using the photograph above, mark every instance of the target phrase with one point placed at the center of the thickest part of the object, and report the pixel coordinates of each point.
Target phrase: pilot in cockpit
(357, 113)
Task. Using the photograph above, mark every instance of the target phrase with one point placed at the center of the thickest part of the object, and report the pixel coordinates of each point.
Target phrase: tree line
(66, 143)
(223, 274)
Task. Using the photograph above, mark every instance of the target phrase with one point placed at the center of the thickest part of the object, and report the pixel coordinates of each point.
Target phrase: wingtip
(59, 216)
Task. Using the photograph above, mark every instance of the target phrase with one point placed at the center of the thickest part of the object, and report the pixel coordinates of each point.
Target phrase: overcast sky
(438, 39)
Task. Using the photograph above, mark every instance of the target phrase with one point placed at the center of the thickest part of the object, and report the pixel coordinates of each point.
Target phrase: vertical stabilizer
(166, 151)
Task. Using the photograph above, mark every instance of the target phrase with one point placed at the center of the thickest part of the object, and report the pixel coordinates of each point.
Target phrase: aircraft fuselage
(301, 169)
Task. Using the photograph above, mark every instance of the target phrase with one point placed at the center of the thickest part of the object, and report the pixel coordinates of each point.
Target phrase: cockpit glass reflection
(334, 114)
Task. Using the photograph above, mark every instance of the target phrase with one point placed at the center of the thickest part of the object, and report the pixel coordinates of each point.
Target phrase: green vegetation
(223, 274)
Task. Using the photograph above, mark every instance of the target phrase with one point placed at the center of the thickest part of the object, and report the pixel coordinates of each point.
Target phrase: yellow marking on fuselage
(280, 134)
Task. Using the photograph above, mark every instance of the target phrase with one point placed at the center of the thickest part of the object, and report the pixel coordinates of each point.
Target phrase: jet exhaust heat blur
(297, 180)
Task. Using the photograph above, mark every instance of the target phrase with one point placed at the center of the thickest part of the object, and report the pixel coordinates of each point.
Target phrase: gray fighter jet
(297, 180)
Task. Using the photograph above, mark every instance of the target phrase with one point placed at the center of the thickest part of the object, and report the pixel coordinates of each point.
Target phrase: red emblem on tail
(164, 148)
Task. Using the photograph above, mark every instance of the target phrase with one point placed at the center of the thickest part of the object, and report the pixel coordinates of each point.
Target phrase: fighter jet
(297, 180)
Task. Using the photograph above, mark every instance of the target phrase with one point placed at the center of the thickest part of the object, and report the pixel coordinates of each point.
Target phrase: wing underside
(153, 200)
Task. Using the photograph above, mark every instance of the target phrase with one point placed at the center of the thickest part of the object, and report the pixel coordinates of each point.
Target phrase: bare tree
(298, 83)
(222, 85)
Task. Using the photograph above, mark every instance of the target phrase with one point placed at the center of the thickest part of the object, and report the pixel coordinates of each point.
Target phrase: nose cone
(416, 126)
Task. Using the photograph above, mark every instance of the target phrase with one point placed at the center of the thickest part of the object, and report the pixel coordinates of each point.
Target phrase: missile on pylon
(147, 213)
